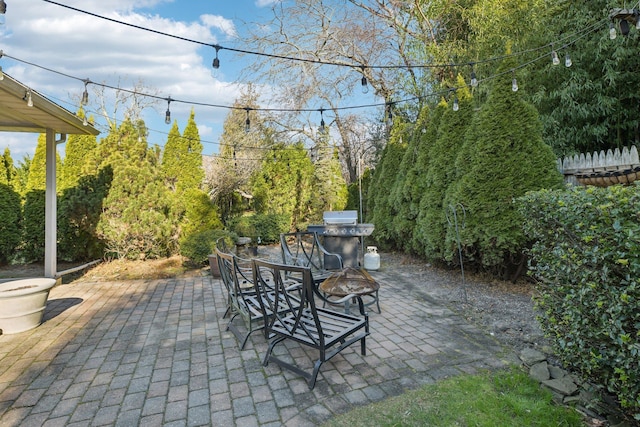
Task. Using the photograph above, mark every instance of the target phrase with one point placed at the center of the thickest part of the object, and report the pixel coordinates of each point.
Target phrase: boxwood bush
(586, 259)
(197, 246)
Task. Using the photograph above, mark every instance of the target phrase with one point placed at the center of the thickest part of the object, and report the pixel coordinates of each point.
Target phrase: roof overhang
(17, 116)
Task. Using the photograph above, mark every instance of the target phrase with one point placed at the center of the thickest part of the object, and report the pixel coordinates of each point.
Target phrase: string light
(247, 123)
(514, 83)
(85, 122)
(636, 15)
(363, 82)
(612, 31)
(456, 104)
(554, 58)
(85, 94)
(1, 73)
(474, 78)
(310, 60)
(216, 61)
(567, 60)
(167, 116)
(322, 127)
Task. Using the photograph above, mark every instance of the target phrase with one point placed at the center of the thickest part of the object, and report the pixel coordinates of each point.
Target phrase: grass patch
(121, 269)
(502, 398)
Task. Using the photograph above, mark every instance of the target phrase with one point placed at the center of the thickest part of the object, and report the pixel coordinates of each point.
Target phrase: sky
(87, 47)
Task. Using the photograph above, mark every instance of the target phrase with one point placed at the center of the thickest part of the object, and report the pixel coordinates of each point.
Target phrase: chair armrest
(327, 253)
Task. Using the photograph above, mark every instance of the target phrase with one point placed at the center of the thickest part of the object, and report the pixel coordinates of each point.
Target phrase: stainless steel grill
(342, 234)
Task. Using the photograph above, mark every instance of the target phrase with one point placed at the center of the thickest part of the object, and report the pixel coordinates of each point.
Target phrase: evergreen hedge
(585, 258)
(10, 216)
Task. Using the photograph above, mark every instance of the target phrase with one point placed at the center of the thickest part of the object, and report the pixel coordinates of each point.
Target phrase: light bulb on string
(389, 114)
(514, 83)
(612, 31)
(216, 60)
(85, 94)
(1, 73)
(322, 125)
(474, 78)
(85, 121)
(363, 82)
(247, 122)
(624, 27)
(456, 104)
(554, 58)
(167, 115)
(567, 60)
(636, 15)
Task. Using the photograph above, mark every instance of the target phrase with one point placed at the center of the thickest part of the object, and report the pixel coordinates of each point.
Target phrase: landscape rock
(563, 385)
(556, 372)
(530, 356)
(540, 372)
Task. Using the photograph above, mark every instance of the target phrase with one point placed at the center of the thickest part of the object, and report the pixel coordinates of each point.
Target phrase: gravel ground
(503, 309)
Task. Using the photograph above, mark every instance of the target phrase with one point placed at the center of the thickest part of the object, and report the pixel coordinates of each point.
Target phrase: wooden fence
(602, 168)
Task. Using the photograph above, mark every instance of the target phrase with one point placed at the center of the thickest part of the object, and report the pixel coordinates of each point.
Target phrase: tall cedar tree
(329, 186)
(428, 127)
(283, 184)
(34, 204)
(137, 219)
(503, 157)
(79, 158)
(10, 209)
(408, 176)
(383, 210)
(434, 214)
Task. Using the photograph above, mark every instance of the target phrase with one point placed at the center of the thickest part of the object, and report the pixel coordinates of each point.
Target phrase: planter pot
(22, 303)
(213, 266)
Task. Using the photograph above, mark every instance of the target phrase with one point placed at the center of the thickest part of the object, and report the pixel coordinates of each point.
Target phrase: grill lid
(340, 217)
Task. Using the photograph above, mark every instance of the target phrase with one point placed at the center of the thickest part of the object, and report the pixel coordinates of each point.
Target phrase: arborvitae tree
(283, 185)
(38, 170)
(199, 214)
(329, 186)
(503, 157)
(8, 172)
(383, 210)
(34, 205)
(22, 175)
(79, 159)
(32, 247)
(171, 156)
(427, 125)
(10, 209)
(434, 215)
(137, 217)
(401, 192)
(192, 173)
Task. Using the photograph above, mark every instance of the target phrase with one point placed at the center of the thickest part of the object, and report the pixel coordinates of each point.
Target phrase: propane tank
(372, 258)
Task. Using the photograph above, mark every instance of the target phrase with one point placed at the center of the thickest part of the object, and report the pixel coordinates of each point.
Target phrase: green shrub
(586, 259)
(10, 215)
(197, 246)
(265, 226)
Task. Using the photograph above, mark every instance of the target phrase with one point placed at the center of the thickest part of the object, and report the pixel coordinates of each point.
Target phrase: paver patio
(156, 353)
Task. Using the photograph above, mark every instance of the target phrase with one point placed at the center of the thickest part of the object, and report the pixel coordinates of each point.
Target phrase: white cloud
(265, 3)
(105, 52)
(221, 23)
